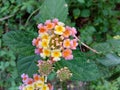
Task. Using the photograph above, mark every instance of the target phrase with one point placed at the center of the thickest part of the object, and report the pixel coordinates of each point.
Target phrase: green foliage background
(97, 22)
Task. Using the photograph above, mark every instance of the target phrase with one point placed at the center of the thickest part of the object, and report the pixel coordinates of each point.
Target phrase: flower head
(35, 83)
(55, 40)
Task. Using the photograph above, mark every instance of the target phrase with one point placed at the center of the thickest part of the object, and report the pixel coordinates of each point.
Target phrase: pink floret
(39, 26)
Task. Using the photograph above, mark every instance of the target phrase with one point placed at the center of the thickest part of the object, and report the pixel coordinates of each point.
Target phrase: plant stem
(31, 16)
(64, 85)
(89, 48)
(45, 77)
(6, 17)
(95, 51)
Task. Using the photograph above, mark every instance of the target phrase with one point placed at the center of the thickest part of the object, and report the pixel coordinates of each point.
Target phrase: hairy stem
(95, 51)
(31, 16)
(6, 17)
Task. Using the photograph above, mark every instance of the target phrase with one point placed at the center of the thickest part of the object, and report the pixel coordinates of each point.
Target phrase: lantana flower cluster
(35, 83)
(55, 40)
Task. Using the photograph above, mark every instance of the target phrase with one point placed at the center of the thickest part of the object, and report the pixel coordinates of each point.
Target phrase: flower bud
(64, 74)
(45, 68)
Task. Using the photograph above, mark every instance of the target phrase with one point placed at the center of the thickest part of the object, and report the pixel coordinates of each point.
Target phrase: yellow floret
(30, 87)
(44, 43)
(46, 53)
(39, 84)
(45, 87)
(59, 30)
(56, 54)
(45, 36)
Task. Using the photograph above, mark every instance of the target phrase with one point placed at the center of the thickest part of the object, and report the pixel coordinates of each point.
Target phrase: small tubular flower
(42, 29)
(35, 42)
(24, 77)
(74, 44)
(46, 53)
(40, 25)
(29, 81)
(36, 77)
(44, 43)
(45, 87)
(45, 36)
(30, 87)
(38, 50)
(50, 26)
(59, 30)
(66, 43)
(55, 21)
(38, 84)
(67, 54)
(56, 54)
(67, 33)
(74, 31)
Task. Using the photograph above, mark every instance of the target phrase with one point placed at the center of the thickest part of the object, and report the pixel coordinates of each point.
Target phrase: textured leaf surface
(87, 33)
(115, 45)
(82, 68)
(20, 41)
(81, 1)
(110, 60)
(103, 47)
(53, 9)
(109, 46)
(28, 65)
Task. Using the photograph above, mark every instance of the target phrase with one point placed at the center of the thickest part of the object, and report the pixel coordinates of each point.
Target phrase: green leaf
(20, 41)
(53, 9)
(85, 13)
(52, 75)
(81, 1)
(83, 69)
(103, 47)
(110, 60)
(76, 13)
(109, 46)
(86, 34)
(115, 45)
(27, 65)
(12, 63)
